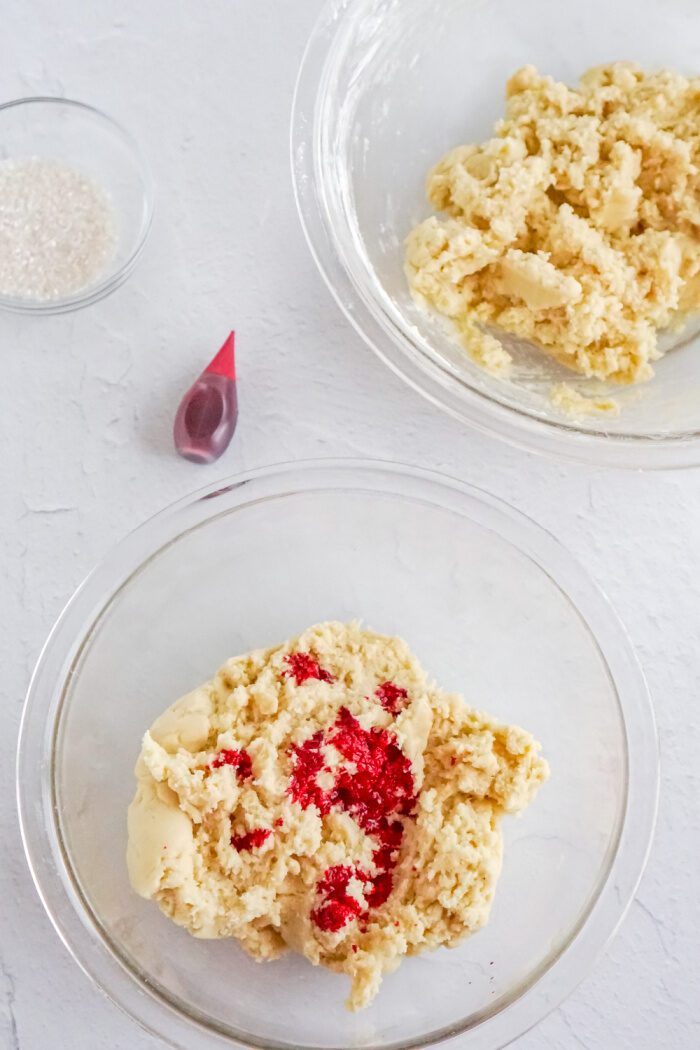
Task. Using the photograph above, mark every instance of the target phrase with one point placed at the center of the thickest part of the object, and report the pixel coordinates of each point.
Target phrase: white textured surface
(86, 404)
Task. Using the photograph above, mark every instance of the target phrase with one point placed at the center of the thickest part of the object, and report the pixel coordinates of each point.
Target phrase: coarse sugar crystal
(57, 229)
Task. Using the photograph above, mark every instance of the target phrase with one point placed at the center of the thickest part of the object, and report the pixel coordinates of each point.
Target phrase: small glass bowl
(83, 138)
(385, 89)
(491, 604)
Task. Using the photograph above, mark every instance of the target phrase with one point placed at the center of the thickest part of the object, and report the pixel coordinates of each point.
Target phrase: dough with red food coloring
(324, 796)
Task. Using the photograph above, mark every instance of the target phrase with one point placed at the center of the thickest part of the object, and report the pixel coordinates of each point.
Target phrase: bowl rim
(40, 820)
(374, 319)
(114, 278)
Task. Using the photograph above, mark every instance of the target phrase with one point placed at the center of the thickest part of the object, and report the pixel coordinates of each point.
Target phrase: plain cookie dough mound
(577, 226)
(322, 795)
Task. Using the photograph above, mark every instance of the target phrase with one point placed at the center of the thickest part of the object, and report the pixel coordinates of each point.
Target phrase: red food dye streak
(337, 907)
(279, 822)
(375, 787)
(303, 667)
(307, 763)
(251, 839)
(207, 415)
(382, 885)
(392, 697)
(382, 784)
(240, 760)
(354, 947)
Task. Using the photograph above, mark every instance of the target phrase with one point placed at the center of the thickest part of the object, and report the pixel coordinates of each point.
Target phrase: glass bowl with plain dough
(384, 91)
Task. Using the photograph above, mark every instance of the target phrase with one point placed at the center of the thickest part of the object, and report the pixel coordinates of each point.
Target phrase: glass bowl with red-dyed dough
(285, 800)
(323, 795)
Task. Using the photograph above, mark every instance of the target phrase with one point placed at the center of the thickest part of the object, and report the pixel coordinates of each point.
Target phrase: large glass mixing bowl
(492, 605)
(386, 87)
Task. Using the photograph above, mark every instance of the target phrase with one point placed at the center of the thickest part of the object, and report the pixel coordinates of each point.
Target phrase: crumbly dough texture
(468, 770)
(576, 227)
(573, 403)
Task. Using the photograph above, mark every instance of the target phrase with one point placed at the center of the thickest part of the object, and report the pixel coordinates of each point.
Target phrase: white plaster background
(86, 402)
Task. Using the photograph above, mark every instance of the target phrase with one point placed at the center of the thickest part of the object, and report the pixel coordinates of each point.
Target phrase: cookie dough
(573, 403)
(324, 796)
(576, 227)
